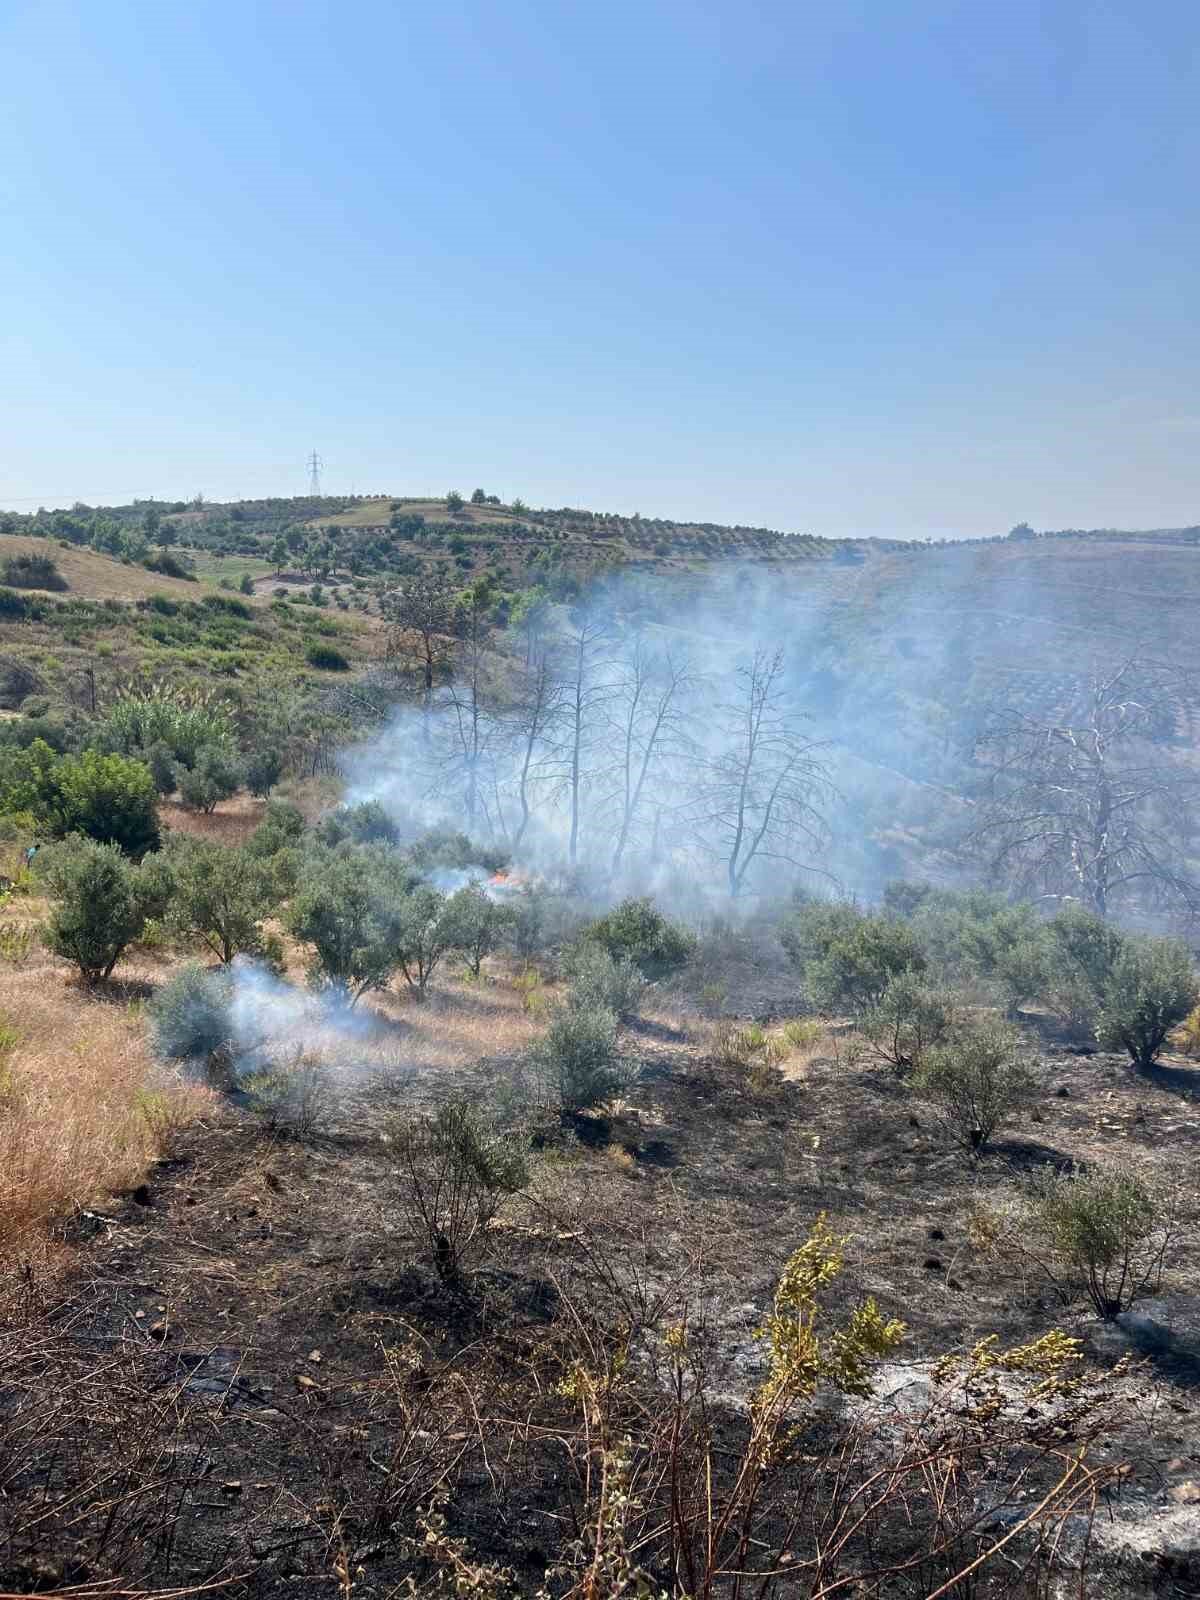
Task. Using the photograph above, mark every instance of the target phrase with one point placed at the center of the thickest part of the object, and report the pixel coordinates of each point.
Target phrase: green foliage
(293, 1099)
(191, 1016)
(475, 924)
(220, 896)
(107, 798)
(637, 931)
(326, 657)
(975, 1080)
(32, 572)
(1151, 988)
(455, 1171)
(346, 908)
(799, 1358)
(216, 776)
(264, 768)
(848, 958)
(445, 848)
(282, 826)
(576, 1062)
(600, 980)
(1108, 1225)
(423, 931)
(186, 720)
(367, 823)
(101, 905)
(909, 1019)
(163, 769)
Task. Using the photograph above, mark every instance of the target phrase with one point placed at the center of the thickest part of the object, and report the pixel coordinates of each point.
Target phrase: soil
(253, 1349)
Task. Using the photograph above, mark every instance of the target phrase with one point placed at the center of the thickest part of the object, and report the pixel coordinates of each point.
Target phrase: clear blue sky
(860, 267)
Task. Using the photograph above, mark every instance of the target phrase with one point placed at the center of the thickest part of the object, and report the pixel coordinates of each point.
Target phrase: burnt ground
(250, 1374)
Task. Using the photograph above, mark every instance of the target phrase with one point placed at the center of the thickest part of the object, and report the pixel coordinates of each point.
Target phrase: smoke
(272, 1020)
(611, 746)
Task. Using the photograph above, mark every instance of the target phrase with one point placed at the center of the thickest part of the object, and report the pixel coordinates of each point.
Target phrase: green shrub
(264, 768)
(216, 776)
(185, 720)
(367, 823)
(292, 1099)
(637, 931)
(282, 827)
(576, 1063)
(598, 979)
(108, 798)
(220, 896)
(346, 908)
(33, 572)
(1152, 987)
(326, 658)
(101, 905)
(848, 958)
(191, 1016)
(455, 1172)
(163, 770)
(1108, 1226)
(975, 1081)
(908, 1021)
(476, 925)
(749, 1051)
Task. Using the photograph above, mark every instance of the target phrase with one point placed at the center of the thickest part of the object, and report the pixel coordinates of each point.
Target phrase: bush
(347, 910)
(637, 931)
(281, 828)
(976, 1080)
(263, 771)
(600, 980)
(163, 770)
(102, 902)
(108, 798)
(326, 658)
(367, 823)
(191, 1016)
(456, 1172)
(33, 572)
(751, 1052)
(292, 1099)
(848, 959)
(475, 924)
(422, 931)
(908, 1021)
(216, 776)
(576, 1062)
(1152, 988)
(1108, 1225)
(220, 896)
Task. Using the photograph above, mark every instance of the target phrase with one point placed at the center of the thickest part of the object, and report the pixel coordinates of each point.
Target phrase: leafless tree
(471, 721)
(1095, 810)
(761, 790)
(587, 690)
(532, 722)
(648, 717)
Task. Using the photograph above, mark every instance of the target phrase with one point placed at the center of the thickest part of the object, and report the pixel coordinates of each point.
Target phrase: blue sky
(861, 267)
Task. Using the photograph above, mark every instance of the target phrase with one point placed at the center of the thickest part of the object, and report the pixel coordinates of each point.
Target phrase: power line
(314, 475)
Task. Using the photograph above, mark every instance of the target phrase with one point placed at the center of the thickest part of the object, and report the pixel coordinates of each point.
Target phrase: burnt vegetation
(621, 1072)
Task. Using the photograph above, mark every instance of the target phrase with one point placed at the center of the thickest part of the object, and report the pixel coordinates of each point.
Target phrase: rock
(1062, 1092)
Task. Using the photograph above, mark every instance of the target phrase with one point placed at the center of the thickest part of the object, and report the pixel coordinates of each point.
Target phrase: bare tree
(422, 623)
(1095, 810)
(760, 791)
(470, 719)
(647, 716)
(586, 691)
(532, 722)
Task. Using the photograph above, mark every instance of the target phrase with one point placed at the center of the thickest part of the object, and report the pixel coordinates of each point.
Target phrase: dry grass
(91, 576)
(231, 823)
(83, 1107)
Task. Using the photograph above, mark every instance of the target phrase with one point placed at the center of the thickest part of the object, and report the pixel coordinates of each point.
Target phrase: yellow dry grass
(92, 576)
(84, 1109)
